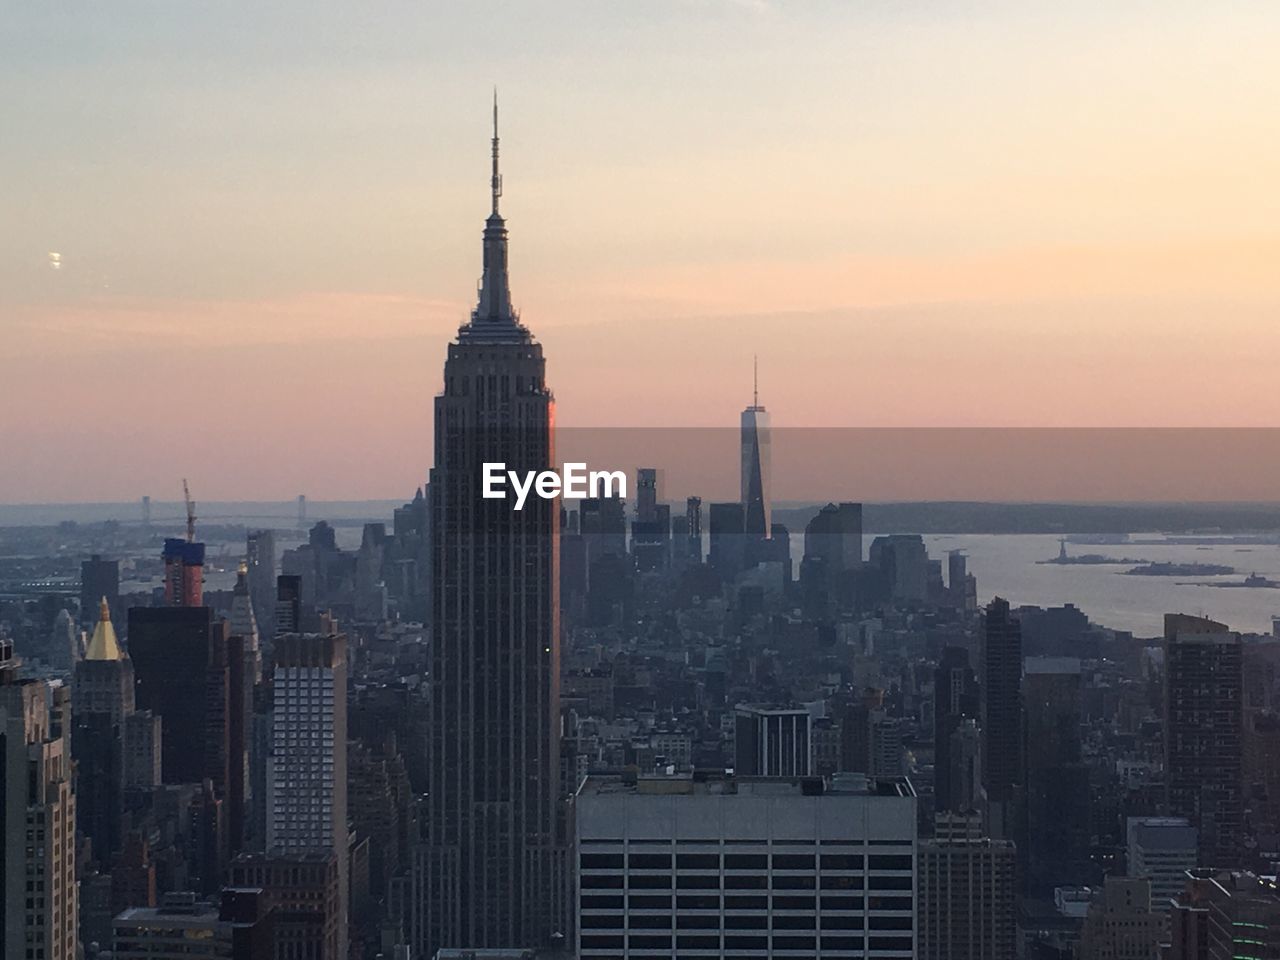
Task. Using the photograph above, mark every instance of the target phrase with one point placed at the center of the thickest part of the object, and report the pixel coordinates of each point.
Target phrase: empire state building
(491, 876)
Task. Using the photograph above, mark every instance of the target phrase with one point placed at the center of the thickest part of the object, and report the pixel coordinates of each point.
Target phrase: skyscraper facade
(38, 890)
(710, 867)
(493, 810)
(772, 741)
(260, 555)
(1162, 850)
(307, 769)
(967, 899)
(99, 580)
(955, 700)
(1204, 722)
(1002, 761)
(727, 549)
(1121, 922)
(646, 494)
(756, 478)
(183, 680)
(183, 572)
(102, 701)
(1056, 778)
(693, 528)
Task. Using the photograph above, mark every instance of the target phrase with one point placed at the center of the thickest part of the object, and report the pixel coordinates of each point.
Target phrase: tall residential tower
(1203, 727)
(39, 895)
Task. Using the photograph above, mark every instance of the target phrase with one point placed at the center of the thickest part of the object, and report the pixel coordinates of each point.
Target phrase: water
(1005, 565)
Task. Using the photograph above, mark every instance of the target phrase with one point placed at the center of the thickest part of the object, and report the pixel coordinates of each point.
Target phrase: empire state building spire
(494, 316)
(495, 181)
(494, 872)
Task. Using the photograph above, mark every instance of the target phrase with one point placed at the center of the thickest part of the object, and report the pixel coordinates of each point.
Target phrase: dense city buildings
(710, 867)
(728, 542)
(1225, 915)
(631, 727)
(902, 563)
(832, 559)
(303, 893)
(1120, 923)
(239, 927)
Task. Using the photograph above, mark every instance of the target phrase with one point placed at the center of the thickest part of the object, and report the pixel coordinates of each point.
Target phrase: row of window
(747, 861)
(738, 842)
(616, 921)
(747, 881)
(702, 942)
(640, 901)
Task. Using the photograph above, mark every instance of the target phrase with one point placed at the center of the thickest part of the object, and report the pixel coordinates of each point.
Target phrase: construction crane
(191, 512)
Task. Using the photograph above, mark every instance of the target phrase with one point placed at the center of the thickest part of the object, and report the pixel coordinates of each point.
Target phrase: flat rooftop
(719, 784)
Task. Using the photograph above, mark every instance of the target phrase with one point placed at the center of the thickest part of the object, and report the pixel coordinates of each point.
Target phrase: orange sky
(1010, 214)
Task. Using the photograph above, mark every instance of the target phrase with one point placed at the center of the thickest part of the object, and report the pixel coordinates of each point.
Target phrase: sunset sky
(235, 239)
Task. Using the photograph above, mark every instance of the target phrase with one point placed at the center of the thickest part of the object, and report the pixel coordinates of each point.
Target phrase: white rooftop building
(767, 867)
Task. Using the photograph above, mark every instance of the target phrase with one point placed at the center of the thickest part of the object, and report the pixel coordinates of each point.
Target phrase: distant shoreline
(1258, 521)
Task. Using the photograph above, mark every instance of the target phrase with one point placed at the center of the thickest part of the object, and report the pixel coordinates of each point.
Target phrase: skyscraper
(1225, 915)
(1002, 767)
(1203, 728)
(772, 741)
(183, 572)
(307, 769)
(646, 494)
(651, 529)
(102, 700)
(955, 691)
(99, 580)
(727, 553)
(674, 866)
(1162, 850)
(903, 561)
(260, 555)
(304, 894)
(493, 802)
(967, 898)
(288, 610)
(38, 890)
(1121, 922)
(1057, 799)
(693, 528)
(756, 477)
(182, 679)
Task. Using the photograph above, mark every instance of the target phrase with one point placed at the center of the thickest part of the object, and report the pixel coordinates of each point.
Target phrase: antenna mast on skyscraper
(755, 380)
(496, 182)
